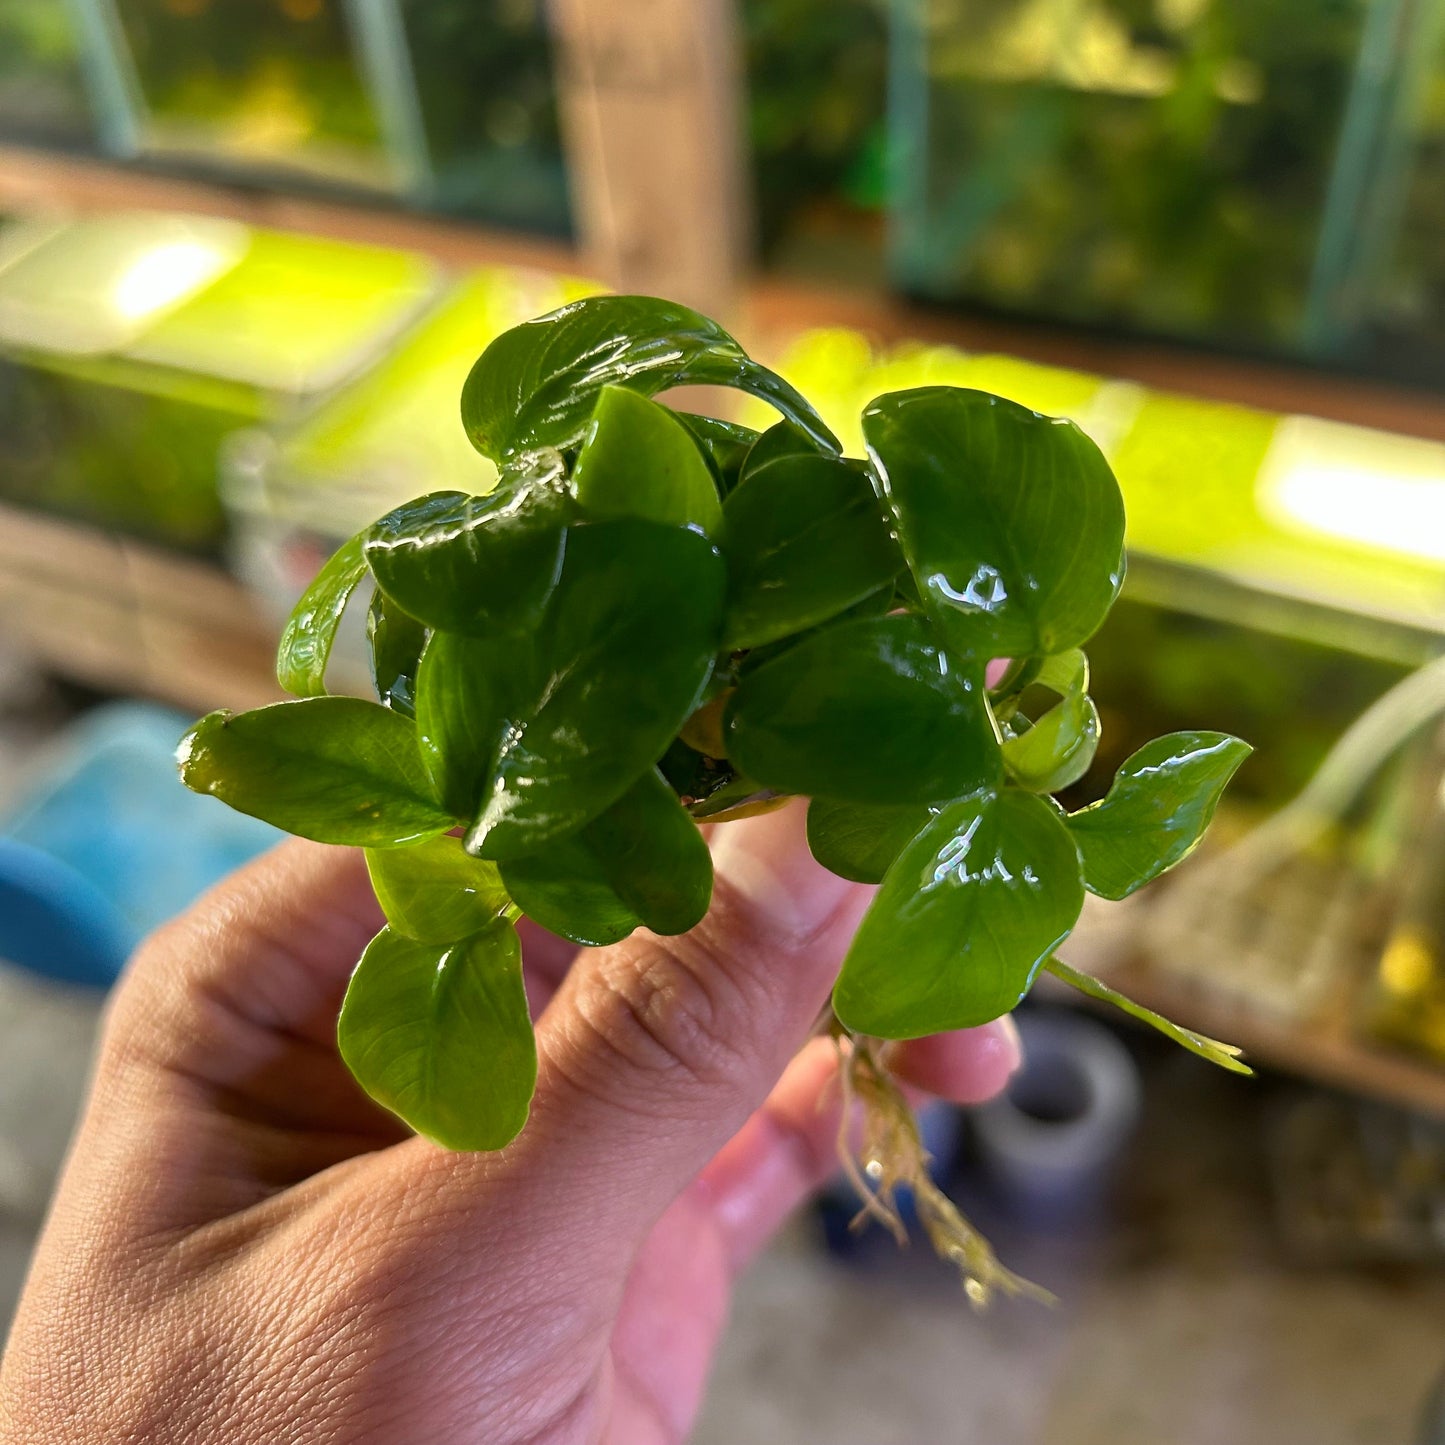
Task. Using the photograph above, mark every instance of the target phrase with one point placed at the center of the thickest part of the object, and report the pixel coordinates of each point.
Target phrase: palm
(570, 1289)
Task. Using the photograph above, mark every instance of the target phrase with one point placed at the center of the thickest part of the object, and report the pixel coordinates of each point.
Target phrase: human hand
(243, 1248)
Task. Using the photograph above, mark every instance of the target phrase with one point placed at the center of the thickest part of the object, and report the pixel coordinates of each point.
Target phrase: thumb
(656, 1051)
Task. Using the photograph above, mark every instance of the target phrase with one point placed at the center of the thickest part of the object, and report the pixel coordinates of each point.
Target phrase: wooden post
(650, 96)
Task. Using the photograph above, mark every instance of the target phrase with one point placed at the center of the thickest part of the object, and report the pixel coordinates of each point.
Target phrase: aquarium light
(167, 273)
(1350, 484)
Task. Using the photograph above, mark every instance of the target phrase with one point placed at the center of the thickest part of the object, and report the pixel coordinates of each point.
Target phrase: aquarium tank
(1256, 175)
(42, 83)
(268, 86)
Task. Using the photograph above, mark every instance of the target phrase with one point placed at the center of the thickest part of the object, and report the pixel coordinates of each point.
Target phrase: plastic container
(294, 494)
(109, 844)
(131, 346)
(1051, 1141)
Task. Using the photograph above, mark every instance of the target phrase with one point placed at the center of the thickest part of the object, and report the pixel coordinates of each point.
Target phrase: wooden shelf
(119, 615)
(1324, 1050)
(773, 308)
(41, 180)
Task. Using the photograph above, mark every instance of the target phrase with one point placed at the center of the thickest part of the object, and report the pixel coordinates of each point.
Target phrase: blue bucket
(108, 844)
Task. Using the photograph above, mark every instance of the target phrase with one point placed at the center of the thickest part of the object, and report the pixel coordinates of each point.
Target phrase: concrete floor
(1182, 1321)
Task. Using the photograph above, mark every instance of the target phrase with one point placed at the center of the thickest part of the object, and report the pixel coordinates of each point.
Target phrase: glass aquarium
(816, 76)
(42, 82)
(1388, 312)
(486, 102)
(265, 86)
(1160, 166)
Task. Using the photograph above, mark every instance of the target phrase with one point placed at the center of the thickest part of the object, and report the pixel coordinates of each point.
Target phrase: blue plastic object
(108, 844)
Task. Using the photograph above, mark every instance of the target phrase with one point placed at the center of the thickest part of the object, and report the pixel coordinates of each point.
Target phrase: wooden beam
(650, 109)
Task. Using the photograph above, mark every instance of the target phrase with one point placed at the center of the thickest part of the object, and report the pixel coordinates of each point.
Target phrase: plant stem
(1227, 1056)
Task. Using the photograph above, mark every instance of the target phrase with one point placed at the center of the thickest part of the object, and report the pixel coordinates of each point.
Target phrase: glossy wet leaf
(335, 769)
(310, 631)
(868, 711)
(805, 539)
(440, 1035)
(724, 444)
(1057, 750)
(1011, 522)
(435, 892)
(639, 460)
(536, 384)
(861, 841)
(538, 740)
(396, 641)
(476, 564)
(1161, 801)
(875, 604)
(1227, 1056)
(965, 917)
(782, 439)
(642, 863)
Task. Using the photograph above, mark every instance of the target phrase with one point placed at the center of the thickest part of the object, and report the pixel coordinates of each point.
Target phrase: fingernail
(766, 860)
(1012, 1040)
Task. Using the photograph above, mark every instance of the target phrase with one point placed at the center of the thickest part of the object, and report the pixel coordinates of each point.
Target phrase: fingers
(654, 1052)
(546, 959)
(966, 1067)
(785, 1151)
(788, 1149)
(268, 951)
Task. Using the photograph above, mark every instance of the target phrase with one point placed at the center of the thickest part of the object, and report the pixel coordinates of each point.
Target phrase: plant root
(889, 1155)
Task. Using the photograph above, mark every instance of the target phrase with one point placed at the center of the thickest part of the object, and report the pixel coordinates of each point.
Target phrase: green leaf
(1161, 801)
(396, 642)
(1011, 522)
(640, 863)
(738, 798)
(965, 917)
(335, 769)
(538, 737)
(310, 631)
(1227, 1056)
(724, 444)
(468, 690)
(805, 539)
(441, 1035)
(434, 891)
(782, 439)
(639, 460)
(875, 604)
(859, 841)
(479, 565)
(868, 711)
(1057, 749)
(536, 384)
